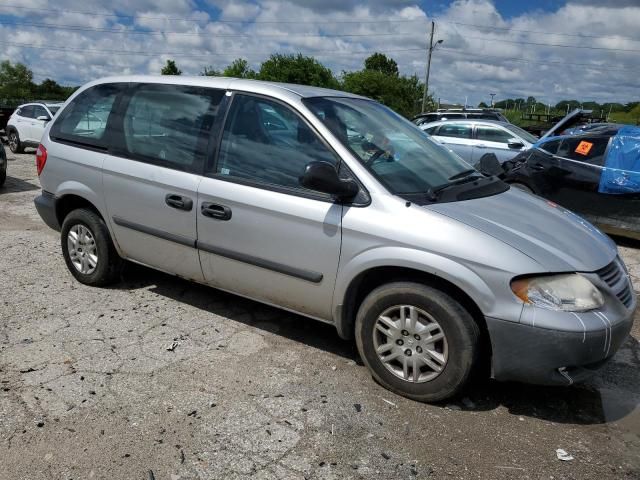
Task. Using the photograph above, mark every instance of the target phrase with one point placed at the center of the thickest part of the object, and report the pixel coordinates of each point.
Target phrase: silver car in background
(471, 139)
(332, 206)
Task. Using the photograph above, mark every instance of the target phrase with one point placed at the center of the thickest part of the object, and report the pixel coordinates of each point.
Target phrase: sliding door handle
(219, 212)
(179, 202)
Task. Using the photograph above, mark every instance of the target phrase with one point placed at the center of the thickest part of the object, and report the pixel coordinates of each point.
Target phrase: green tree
(239, 68)
(381, 63)
(297, 69)
(210, 72)
(171, 68)
(484, 105)
(563, 104)
(402, 94)
(50, 90)
(16, 81)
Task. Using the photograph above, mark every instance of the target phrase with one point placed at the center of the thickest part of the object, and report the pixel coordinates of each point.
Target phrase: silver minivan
(333, 206)
(471, 139)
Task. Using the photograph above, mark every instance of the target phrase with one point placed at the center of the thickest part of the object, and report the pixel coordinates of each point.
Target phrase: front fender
(497, 301)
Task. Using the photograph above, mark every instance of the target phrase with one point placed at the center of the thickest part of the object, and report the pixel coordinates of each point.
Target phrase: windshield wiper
(463, 174)
(434, 192)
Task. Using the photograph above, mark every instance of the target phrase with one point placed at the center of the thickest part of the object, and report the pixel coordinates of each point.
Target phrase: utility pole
(429, 52)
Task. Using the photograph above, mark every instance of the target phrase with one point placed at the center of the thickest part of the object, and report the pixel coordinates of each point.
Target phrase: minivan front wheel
(417, 340)
(88, 250)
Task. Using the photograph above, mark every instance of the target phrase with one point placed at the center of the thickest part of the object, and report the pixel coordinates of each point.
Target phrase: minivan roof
(230, 83)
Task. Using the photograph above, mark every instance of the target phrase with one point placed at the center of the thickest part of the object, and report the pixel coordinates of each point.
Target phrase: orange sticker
(584, 148)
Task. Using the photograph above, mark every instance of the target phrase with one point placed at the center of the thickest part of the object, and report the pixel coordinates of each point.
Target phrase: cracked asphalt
(160, 378)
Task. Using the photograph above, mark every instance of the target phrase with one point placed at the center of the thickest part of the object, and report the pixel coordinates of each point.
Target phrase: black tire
(15, 145)
(461, 331)
(109, 264)
(523, 187)
(3, 175)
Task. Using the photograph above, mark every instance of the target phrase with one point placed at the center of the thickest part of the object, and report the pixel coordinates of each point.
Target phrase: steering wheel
(377, 155)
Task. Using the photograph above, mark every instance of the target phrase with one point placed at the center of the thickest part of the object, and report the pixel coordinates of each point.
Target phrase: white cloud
(472, 61)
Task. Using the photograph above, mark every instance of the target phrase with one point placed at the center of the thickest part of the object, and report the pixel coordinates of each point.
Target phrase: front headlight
(566, 292)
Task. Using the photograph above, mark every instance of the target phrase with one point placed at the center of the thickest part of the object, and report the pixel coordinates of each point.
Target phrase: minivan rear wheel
(88, 250)
(15, 145)
(417, 341)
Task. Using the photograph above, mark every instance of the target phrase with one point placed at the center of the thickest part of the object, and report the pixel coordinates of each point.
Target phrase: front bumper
(46, 207)
(538, 355)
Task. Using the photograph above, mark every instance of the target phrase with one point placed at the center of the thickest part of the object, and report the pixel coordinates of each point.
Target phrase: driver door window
(267, 143)
(492, 134)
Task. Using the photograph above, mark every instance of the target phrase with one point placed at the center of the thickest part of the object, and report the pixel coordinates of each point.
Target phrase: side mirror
(323, 177)
(515, 144)
(44, 118)
(490, 165)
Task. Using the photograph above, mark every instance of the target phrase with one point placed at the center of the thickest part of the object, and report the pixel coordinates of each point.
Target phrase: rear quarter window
(84, 120)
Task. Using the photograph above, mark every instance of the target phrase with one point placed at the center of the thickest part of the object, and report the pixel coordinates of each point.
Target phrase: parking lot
(160, 375)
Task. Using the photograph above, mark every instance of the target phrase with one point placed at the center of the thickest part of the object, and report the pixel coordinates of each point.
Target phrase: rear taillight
(41, 158)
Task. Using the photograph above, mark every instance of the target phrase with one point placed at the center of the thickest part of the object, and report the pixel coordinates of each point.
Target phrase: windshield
(521, 133)
(393, 149)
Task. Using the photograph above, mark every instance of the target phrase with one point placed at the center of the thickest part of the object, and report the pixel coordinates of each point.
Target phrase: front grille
(615, 276)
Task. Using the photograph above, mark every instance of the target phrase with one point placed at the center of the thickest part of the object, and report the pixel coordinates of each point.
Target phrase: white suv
(27, 124)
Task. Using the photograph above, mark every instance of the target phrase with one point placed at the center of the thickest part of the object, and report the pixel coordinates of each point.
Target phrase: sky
(552, 50)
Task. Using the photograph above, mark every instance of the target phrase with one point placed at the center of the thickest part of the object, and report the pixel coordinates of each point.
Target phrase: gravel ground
(89, 390)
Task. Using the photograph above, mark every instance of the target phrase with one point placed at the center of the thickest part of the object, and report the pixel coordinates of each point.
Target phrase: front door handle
(538, 166)
(179, 202)
(219, 212)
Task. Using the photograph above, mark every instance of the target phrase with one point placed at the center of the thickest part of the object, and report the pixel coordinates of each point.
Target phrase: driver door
(37, 126)
(490, 139)
(260, 234)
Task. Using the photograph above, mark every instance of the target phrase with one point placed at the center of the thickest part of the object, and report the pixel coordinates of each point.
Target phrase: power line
(209, 34)
(185, 54)
(551, 44)
(185, 19)
(491, 27)
(520, 60)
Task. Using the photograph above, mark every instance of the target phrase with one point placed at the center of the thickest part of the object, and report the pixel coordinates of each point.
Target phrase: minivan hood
(557, 239)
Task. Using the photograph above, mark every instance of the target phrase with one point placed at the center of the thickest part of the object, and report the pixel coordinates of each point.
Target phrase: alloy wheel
(410, 343)
(82, 249)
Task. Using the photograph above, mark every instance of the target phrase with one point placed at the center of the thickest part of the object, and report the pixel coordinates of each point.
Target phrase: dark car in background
(595, 173)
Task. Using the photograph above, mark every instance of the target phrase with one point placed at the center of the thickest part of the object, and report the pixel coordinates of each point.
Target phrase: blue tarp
(621, 173)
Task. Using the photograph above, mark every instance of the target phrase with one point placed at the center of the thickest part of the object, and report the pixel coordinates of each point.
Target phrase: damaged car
(595, 174)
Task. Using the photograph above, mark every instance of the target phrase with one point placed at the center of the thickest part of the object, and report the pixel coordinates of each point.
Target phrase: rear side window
(493, 134)
(454, 130)
(26, 112)
(585, 149)
(266, 142)
(40, 111)
(169, 125)
(84, 120)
